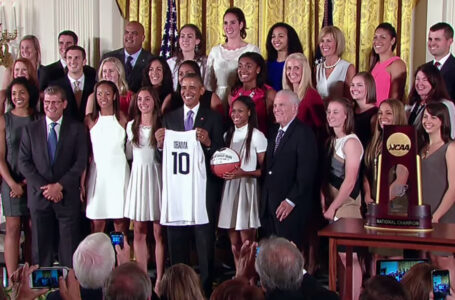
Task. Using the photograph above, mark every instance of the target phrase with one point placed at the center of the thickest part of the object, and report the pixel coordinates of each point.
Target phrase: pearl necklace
(332, 66)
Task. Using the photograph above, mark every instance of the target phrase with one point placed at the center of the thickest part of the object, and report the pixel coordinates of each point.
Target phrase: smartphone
(117, 238)
(441, 284)
(5, 277)
(47, 277)
(396, 268)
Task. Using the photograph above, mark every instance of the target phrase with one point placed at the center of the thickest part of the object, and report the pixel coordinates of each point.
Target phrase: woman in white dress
(191, 46)
(143, 198)
(223, 59)
(333, 74)
(239, 204)
(109, 172)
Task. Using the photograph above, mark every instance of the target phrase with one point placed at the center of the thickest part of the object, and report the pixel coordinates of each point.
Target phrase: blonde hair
(305, 82)
(37, 47)
(180, 282)
(122, 84)
(338, 36)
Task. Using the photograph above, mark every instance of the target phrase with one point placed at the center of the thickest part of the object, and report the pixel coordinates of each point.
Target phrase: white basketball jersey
(184, 180)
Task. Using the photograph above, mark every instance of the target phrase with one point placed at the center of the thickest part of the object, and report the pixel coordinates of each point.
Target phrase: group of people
(308, 138)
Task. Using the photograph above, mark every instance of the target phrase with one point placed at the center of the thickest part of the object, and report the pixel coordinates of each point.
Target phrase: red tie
(437, 64)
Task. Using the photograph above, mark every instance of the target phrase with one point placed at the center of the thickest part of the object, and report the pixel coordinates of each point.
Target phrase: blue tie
(52, 142)
(189, 121)
(278, 139)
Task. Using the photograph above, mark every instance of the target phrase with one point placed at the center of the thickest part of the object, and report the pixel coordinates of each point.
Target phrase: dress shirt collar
(81, 80)
(442, 60)
(287, 125)
(134, 55)
(63, 62)
(57, 127)
(187, 109)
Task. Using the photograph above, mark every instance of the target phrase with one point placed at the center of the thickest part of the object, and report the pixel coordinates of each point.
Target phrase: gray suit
(69, 163)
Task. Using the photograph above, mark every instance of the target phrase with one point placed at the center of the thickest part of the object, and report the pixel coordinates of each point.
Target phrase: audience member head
(133, 37)
(180, 282)
(29, 48)
(429, 125)
(94, 260)
(251, 70)
(383, 288)
(363, 88)
(112, 69)
(440, 39)
(285, 107)
(191, 89)
(145, 102)
(331, 41)
(340, 116)
(127, 281)
(54, 102)
(234, 23)
(237, 289)
(282, 37)
(158, 75)
(279, 264)
(75, 60)
(417, 281)
(22, 92)
(297, 74)
(190, 40)
(66, 39)
(22, 67)
(106, 99)
(384, 42)
(428, 85)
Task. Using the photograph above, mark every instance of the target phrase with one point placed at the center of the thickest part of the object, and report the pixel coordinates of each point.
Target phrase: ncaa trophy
(400, 206)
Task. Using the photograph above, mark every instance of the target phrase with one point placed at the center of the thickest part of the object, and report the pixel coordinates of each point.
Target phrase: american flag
(169, 40)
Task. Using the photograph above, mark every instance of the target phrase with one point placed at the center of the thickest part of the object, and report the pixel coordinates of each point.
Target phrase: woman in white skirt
(239, 205)
(143, 200)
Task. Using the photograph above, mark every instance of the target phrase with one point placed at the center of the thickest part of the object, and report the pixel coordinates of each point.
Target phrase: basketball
(224, 160)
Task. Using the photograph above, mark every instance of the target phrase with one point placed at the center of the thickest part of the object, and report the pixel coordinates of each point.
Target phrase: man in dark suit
(52, 157)
(57, 69)
(208, 125)
(132, 55)
(440, 38)
(289, 173)
(78, 83)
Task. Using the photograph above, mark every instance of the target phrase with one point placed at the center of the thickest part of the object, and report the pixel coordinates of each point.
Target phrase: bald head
(133, 37)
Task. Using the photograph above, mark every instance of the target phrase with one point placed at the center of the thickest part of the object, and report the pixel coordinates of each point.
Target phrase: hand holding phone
(117, 238)
(47, 277)
(441, 284)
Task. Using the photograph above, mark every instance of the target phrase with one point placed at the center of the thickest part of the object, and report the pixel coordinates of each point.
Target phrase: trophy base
(417, 220)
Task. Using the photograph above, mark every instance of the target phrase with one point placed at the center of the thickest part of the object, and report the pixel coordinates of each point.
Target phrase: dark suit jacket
(55, 71)
(70, 161)
(448, 73)
(135, 78)
(289, 173)
(65, 84)
(212, 122)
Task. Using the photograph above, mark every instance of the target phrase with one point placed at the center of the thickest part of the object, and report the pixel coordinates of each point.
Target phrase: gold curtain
(356, 18)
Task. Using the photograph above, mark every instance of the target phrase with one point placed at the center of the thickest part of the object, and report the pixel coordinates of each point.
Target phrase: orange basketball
(224, 160)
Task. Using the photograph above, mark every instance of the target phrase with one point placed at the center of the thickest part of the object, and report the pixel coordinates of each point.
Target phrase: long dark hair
(374, 57)
(240, 17)
(252, 123)
(439, 110)
(96, 107)
(33, 92)
(137, 116)
(176, 100)
(166, 87)
(438, 87)
(199, 51)
(261, 76)
(294, 44)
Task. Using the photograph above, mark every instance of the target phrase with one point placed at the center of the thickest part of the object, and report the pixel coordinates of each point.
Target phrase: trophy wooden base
(417, 220)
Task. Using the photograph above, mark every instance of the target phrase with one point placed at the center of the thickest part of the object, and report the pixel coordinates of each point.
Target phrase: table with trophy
(401, 222)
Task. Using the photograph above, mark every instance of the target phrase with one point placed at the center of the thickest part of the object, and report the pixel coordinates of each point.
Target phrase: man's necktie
(437, 64)
(78, 93)
(129, 65)
(52, 142)
(279, 136)
(189, 121)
